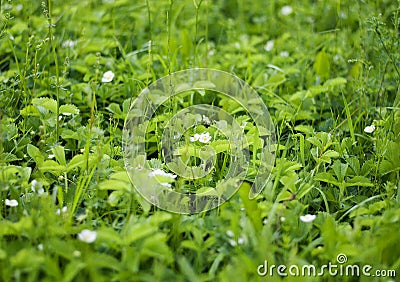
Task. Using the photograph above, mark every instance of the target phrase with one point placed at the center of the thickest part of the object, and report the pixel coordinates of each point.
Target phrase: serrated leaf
(326, 177)
(30, 111)
(359, 181)
(47, 103)
(69, 109)
(335, 82)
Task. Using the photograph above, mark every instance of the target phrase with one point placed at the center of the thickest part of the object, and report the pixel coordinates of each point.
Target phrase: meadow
(328, 71)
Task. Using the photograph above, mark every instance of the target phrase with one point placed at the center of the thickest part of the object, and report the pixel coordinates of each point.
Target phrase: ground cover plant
(327, 70)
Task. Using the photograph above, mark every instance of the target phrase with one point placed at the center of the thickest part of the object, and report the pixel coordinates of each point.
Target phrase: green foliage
(327, 71)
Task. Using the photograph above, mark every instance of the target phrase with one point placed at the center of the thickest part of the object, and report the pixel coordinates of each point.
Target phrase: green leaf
(335, 82)
(359, 181)
(326, 177)
(47, 103)
(204, 84)
(322, 65)
(59, 154)
(69, 109)
(117, 185)
(35, 154)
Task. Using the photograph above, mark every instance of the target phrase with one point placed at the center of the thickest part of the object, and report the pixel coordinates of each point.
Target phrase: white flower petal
(205, 137)
(230, 233)
(108, 76)
(308, 217)
(87, 236)
(369, 129)
(286, 10)
(160, 172)
(11, 203)
(269, 46)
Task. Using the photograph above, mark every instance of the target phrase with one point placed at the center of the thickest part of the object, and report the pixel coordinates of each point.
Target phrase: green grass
(326, 71)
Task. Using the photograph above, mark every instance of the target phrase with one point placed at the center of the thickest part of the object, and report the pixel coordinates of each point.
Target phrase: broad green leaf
(69, 109)
(59, 154)
(35, 154)
(47, 103)
(335, 82)
(359, 181)
(322, 65)
(326, 177)
(117, 185)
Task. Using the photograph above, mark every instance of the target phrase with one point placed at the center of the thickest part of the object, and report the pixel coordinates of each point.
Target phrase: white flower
(161, 173)
(37, 187)
(206, 120)
(108, 76)
(166, 184)
(51, 156)
(87, 236)
(69, 43)
(40, 247)
(286, 10)
(308, 217)
(369, 129)
(284, 54)
(269, 46)
(282, 218)
(232, 242)
(240, 241)
(63, 210)
(205, 137)
(11, 203)
(230, 233)
(195, 137)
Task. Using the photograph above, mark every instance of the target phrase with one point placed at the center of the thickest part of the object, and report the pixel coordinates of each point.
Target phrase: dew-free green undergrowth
(329, 73)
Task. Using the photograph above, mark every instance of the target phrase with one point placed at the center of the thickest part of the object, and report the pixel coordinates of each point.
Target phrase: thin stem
(55, 58)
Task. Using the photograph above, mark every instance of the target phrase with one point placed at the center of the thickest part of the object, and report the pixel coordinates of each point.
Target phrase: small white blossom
(230, 233)
(286, 10)
(369, 129)
(269, 46)
(63, 210)
(40, 247)
(232, 242)
(51, 156)
(284, 54)
(166, 184)
(205, 137)
(37, 187)
(240, 241)
(206, 120)
(283, 218)
(160, 172)
(108, 76)
(11, 203)
(308, 217)
(87, 236)
(195, 138)
(69, 44)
